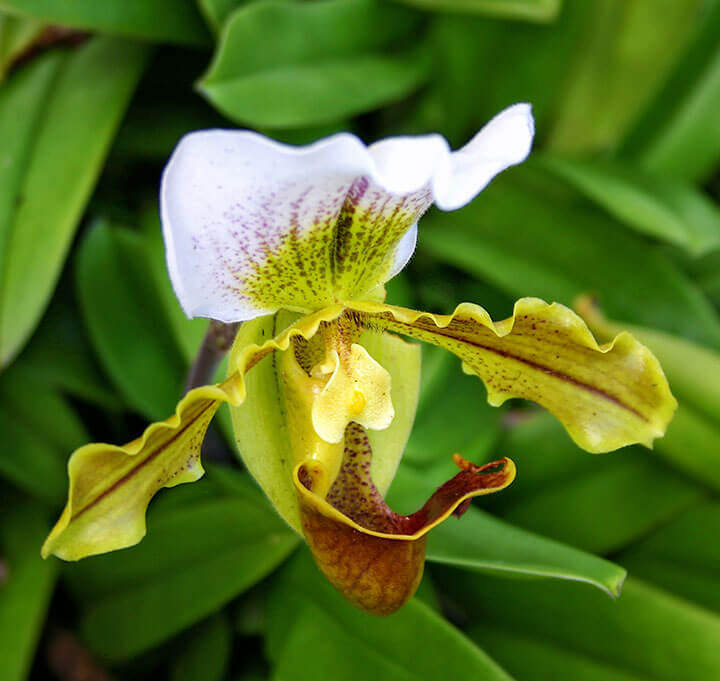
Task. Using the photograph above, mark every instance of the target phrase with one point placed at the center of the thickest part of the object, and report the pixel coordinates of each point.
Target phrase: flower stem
(215, 345)
(218, 340)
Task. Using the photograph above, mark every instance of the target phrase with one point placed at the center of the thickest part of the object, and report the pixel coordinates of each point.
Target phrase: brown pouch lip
(373, 556)
(375, 574)
(449, 499)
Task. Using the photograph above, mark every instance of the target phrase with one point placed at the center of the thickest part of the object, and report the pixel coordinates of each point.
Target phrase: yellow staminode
(358, 389)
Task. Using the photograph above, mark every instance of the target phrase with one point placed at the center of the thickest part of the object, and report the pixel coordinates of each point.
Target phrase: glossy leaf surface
(27, 584)
(416, 643)
(264, 57)
(564, 494)
(165, 21)
(669, 210)
(633, 629)
(201, 554)
(126, 319)
(527, 10)
(53, 169)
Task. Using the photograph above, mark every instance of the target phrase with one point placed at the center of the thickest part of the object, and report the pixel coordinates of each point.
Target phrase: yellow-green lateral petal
(606, 396)
(111, 486)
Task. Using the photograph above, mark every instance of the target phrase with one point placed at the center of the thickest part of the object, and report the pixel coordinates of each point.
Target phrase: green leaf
(528, 657)
(681, 557)
(609, 509)
(692, 442)
(126, 319)
(142, 338)
(44, 408)
(22, 101)
(528, 237)
(532, 69)
(303, 55)
(17, 34)
(206, 655)
(679, 135)
(216, 11)
(155, 125)
(175, 21)
(29, 461)
(25, 593)
(598, 504)
(706, 272)
(527, 10)
(305, 613)
(309, 92)
(39, 431)
(622, 55)
(342, 655)
(53, 164)
(199, 554)
(648, 634)
(545, 456)
(59, 354)
(455, 417)
(666, 209)
(437, 365)
(480, 542)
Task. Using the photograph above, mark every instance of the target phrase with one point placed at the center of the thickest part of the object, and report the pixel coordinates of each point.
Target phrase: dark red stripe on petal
(454, 332)
(199, 413)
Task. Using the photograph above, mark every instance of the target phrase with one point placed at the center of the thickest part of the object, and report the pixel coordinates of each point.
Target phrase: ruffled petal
(252, 226)
(371, 554)
(111, 486)
(607, 396)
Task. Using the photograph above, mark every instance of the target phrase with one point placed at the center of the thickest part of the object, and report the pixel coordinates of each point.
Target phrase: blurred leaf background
(620, 201)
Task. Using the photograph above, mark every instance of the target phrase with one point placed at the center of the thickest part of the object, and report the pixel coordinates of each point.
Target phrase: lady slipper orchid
(297, 243)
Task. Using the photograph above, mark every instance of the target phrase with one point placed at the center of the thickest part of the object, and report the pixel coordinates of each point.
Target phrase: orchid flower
(297, 243)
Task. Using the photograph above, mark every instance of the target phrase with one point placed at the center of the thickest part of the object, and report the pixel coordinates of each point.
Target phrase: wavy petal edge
(624, 345)
(232, 390)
